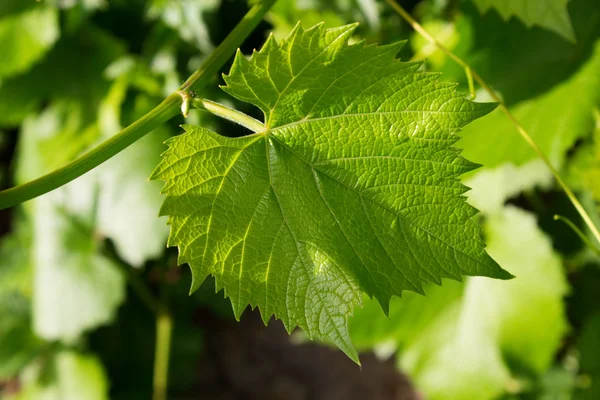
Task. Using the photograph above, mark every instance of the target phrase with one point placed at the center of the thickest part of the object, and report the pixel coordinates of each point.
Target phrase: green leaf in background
(8, 7)
(75, 288)
(73, 70)
(353, 186)
(583, 171)
(549, 14)
(187, 18)
(122, 185)
(489, 45)
(15, 268)
(26, 37)
(18, 344)
(285, 14)
(461, 341)
(491, 188)
(555, 120)
(67, 375)
(408, 318)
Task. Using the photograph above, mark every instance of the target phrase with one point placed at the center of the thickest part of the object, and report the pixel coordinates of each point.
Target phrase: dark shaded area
(546, 204)
(247, 360)
(509, 54)
(8, 143)
(214, 357)
(125, 19)
(583, 301)
(583, 304)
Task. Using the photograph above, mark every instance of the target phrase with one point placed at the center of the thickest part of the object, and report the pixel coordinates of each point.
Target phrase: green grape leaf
(466, 341)
(352, 187)
(26, 37)
(549, 14)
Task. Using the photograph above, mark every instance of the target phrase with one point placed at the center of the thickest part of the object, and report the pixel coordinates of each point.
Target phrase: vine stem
(524, 134)
(578, 232)
(166, 110)
(164, 330)
(164, 323)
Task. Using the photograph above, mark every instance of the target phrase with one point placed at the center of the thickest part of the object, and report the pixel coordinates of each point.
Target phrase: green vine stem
(164, 330)
(578, 232)
(474, 75)
(167, 109)
(164, 323)
(159, 115)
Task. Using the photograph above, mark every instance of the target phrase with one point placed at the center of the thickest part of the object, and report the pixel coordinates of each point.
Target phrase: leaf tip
(385, 305)
(197, 279)
(505, 275)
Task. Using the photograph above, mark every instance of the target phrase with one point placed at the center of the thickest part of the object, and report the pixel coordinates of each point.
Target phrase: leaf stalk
(472, 74)
(229, 114)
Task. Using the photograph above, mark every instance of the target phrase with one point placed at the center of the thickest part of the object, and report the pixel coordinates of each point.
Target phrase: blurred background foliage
(74, 72)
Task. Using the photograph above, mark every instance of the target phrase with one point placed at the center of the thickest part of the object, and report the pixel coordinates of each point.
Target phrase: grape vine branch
(166, 110)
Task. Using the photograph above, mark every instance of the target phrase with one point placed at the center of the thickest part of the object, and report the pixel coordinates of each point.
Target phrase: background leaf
(25, 38)
(550, 14)
(584, 168)
(68, 375)
(75, 288)
(18, 344)
(555, 120)
(488, 45)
